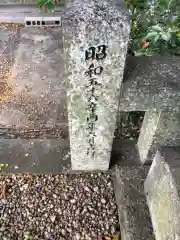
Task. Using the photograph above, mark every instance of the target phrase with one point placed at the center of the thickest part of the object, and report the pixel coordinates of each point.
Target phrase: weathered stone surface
(162, 188)
(8, 46)
(94, 79)
(34, 155)
(9, 42)
(159, 128)
(33, 100)
(151, 82)
(133, 211)
(37, 99)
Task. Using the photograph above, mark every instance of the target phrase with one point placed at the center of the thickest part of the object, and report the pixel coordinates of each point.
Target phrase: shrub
(155, 27)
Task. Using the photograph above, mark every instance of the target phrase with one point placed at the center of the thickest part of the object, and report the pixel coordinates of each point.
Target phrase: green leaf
(156, 38)
(166, 36)
(40, 3)
(50, 6)
(151, 36)
(156, 28)
(174, 29)
(174, 18)
(178, 35)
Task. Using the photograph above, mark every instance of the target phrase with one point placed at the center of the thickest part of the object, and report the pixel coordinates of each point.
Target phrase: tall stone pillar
(96, 35)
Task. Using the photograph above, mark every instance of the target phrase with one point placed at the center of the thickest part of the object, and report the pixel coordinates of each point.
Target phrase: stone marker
(96, 34)
(134, 218)
(159, 128)
(162, 188)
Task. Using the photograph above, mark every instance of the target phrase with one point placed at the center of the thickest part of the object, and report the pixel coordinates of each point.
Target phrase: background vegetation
(155, 25)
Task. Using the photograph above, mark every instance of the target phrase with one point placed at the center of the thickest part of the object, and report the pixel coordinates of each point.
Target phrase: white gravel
(57, 207)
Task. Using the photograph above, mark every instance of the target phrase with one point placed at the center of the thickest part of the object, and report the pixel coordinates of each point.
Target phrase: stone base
(134, 217)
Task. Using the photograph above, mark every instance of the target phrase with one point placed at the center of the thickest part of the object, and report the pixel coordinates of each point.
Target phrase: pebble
(87, 189)
(4, 201)
(78, 236)
(73, 201)
(103, 200)
(53, 218)
(95, 189)
(63, 232)
(43, 198)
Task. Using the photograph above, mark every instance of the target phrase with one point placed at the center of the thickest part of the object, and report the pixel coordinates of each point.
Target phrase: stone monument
(95, 39)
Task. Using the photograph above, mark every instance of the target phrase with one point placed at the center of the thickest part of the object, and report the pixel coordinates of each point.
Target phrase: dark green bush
(155, 27)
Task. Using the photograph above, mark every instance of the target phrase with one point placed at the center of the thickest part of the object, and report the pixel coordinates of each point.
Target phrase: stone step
(134, 219)
(35, 155)
(162, 188)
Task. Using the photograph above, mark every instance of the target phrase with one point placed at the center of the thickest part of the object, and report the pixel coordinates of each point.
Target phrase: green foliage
(49, 5)
(155, 27)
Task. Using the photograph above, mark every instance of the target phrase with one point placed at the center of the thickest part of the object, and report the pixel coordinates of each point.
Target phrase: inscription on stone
(93, 53)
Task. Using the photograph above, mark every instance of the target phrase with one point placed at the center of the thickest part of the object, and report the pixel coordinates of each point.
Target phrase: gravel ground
(68, 206)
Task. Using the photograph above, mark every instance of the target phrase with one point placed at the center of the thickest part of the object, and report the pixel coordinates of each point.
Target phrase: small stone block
(159, 128)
